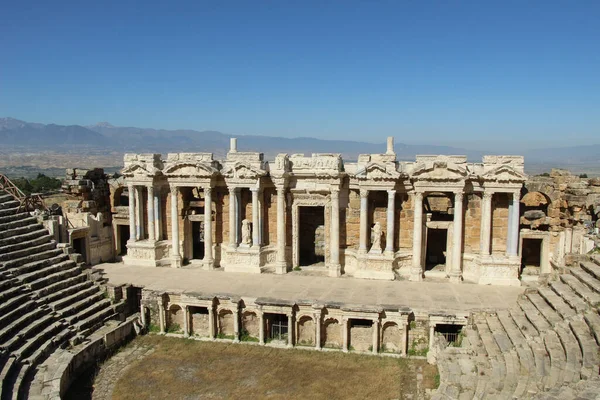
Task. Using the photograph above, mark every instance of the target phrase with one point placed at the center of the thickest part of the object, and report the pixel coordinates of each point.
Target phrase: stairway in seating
(547, 347)
(47, 300)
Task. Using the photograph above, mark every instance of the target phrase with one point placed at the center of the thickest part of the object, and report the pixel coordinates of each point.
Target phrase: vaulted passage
(312, 235)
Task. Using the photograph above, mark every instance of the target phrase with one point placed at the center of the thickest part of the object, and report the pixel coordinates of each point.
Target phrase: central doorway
(197, 240)
(437, 240)
(311, 235)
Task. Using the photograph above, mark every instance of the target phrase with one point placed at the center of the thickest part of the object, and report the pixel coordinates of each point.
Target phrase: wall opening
(436, 249)
(123, 232)
(311, 235)
(277, 326)
(79, 246)
(450, 332)
(531, 253)
(197, 240)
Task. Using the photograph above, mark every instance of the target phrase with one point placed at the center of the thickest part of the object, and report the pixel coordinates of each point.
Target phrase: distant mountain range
(35, 136)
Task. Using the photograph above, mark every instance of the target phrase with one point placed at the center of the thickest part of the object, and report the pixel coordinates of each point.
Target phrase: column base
(335, 270)
(209, 264)
(455, 278)
(416, 275)
(176, 261)
(280, 267)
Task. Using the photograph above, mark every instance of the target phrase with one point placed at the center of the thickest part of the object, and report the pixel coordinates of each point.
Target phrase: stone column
(416, 271)
(236, 323)
(509, 228)
(175, 256)
(140, 210)
(232, 218)
(151, 226)
(364, 221)
(238, 216)
(161, 317)
(375, 336)
(132, 214)
(186, 321)
(280, 265)
(334, 237)
(261, 217)
(209, 261)
(514, 222)
(568, 240)
(389, 238)
(261, 327)
(143, 315)
(136, 200)
(405, 339)
(456, 270)
(157, 219)
(486, 223)
(431, 333)
(345, 335)
(318, 330)
(211, 322)
(290, 317)
(255, 219)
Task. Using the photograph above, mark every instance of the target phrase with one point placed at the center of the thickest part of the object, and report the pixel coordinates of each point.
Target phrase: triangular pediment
(377, 171)
(242, 170)
(504, 173)
(137, 169)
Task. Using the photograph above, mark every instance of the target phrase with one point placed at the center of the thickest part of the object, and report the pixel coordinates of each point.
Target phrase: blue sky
(472, 74)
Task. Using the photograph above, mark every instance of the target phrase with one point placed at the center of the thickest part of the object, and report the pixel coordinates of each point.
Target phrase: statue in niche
(246, 232)
(376, 238)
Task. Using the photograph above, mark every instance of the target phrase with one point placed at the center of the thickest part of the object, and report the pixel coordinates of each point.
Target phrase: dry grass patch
(188, 369)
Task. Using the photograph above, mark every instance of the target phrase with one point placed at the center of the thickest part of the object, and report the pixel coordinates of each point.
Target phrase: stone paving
(419, 296)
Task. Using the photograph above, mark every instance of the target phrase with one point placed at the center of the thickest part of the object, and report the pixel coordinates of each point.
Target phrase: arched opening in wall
(199, 321)
(311, 235)
(226, 325)
(360, 337)
(250, 326)
(306, 331)
(450, 332)
(332, 334)
(175, 319)
(535, 210)
(531, 256)
(391, 338)
(277, 327)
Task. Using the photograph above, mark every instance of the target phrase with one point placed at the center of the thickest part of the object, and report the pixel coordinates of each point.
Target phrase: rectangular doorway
(79, 246)
(197, 240)
(123, 232)
(531, 258)
(311, 235)
(437, 240)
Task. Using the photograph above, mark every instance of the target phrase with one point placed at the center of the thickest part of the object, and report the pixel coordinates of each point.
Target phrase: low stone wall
(70, 365)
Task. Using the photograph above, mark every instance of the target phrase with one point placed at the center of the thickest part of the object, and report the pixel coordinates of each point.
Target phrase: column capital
(335, 192)
(516, 195)
(459, 193)
(418, 195)
(364, 193)
(487, 194)
(391, 192)
(174, 186)
(255, 189)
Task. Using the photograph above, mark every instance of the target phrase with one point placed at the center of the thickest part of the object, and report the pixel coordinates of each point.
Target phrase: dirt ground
(173, 368)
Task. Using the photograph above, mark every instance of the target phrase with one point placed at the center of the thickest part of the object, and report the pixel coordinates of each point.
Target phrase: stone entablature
(250, 198)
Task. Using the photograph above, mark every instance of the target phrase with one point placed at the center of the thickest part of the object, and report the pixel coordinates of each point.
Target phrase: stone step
(14, 217)
(529, 369)
(95, 315)
(68, 291)
(39, 264)
(23, 254)
(25, 307)
(482, 364)
(71, 313)
(48, 293)
(542, 362)
(556, 301)
(76, 296)
(491, 347)
(544, 308)
(10, 293)
(589, 348)
(7, 371)
(52, 278)
(573, 354)
(509, 354)
(6, 283)
(558, 359)
(5, 307)
(9, 203)
(19, 230)
(9, 211)
(570, 297)
(28, 262)
(4, 197)
(586, 278)
(50, 269)
(593, 320)
(19, 384)
(584, 291)
(32, 329)
(591, 268)
(533, 315)
(10, 250)
(524, 325)
(18, 223)
(34, 342)
(14, 328)
(23, 238)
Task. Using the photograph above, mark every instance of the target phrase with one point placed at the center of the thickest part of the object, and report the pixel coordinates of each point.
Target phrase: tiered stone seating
(45, 299)
(545, 347)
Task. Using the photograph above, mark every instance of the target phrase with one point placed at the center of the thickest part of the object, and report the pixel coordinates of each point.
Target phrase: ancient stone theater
(491, 274)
